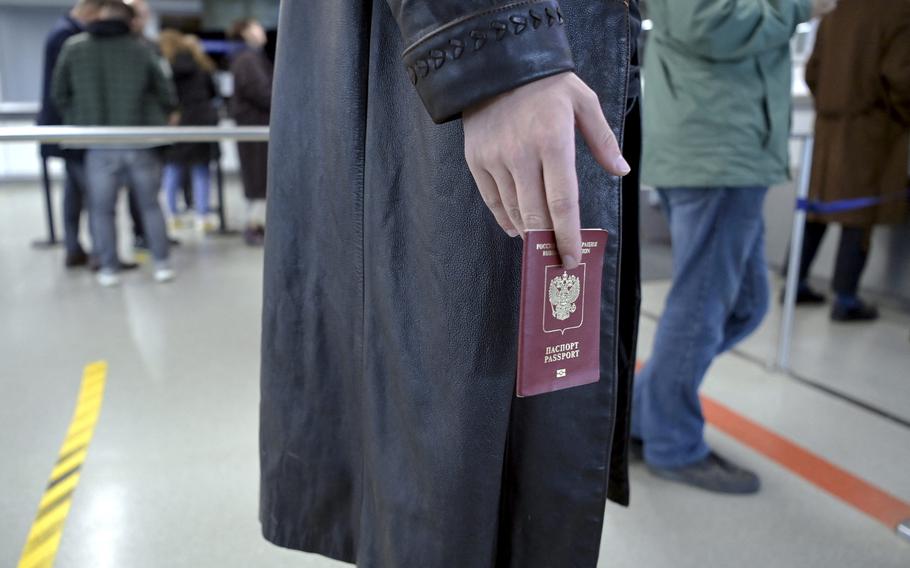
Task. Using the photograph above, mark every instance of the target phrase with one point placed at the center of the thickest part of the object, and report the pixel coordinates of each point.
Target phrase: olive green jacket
(108, 77)
(717, 91)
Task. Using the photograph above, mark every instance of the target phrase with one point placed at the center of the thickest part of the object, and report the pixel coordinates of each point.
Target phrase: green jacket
(717, 91)
(108, 77)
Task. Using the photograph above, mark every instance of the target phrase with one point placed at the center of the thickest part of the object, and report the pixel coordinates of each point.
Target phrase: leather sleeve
(462, 52)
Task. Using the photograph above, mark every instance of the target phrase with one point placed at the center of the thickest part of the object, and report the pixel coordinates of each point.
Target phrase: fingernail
(622, 166)
(512, 233)
(569, 261)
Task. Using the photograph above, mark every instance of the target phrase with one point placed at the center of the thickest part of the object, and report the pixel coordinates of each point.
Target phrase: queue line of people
(101, 70)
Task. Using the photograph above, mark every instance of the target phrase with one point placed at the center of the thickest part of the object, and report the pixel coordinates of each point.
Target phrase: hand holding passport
(559, 329)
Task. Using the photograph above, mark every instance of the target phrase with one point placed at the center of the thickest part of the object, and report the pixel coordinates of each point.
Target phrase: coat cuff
(487, 53)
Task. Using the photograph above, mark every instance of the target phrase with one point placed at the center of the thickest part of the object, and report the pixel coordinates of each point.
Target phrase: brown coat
(859, 74)
(251, 106)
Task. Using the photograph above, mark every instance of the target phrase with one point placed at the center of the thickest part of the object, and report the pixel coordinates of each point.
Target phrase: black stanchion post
(219, 179)
(49, 206)
(222, 208)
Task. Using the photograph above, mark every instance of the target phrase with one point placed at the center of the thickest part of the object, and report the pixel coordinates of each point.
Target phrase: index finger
(561, 187)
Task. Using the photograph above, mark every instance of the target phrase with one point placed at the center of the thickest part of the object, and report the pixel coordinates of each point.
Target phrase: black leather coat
(390, 435)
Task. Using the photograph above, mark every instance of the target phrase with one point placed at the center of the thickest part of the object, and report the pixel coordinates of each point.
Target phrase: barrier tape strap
(44, 537)
(844, 205)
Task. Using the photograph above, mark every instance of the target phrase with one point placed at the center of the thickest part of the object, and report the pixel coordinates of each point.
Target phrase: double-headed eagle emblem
(564, 291)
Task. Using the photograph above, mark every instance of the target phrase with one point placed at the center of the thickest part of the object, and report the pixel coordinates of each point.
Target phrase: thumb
(597, 133)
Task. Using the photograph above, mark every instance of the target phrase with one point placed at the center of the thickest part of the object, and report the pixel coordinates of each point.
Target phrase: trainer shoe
(857, 312)
(714, 474)
(77, 259)
(164, 274)
(108, 278)
(805, 296)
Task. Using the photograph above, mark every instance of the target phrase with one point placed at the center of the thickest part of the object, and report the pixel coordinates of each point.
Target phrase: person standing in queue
(109, 77)
(75, 194)
(196, 92)
(251, 106)
(140, 27)
(717, 125)
(412, 142)
(859, 74)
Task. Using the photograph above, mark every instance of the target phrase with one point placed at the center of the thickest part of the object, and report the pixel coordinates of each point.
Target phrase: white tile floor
(171, 477)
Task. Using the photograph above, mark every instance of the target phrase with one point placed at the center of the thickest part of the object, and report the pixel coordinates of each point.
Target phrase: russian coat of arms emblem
(564, 291)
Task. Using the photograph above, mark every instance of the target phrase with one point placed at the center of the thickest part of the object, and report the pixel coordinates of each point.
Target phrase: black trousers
(852, 253)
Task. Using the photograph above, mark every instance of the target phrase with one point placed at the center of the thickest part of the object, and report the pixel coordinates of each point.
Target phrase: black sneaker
(854, 313)
(95, 265)
(76, 260)
(636, 450)
(805, 296)
(714, 474)
(254, 236)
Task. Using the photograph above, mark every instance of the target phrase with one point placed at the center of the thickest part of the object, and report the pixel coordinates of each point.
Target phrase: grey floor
(171, 477)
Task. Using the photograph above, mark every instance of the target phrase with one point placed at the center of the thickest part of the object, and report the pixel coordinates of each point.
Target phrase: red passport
(559, 328)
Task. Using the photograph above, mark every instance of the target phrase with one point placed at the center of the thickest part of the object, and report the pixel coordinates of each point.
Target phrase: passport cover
(559, 320)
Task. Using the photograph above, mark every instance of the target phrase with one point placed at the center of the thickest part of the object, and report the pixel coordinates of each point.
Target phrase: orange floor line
(840, 483)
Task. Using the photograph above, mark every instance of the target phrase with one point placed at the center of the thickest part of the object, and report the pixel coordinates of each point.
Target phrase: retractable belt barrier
(803, 206)
(844, 205)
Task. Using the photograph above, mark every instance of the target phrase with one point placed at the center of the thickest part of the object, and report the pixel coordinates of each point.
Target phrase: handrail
(19, 111)
(130, 135)
(155, 134)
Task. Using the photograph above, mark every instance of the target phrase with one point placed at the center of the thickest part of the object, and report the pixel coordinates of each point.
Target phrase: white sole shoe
(163, 275)
(108, 280)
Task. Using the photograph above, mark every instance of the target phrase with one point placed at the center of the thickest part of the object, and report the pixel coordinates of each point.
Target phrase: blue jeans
(718, 297)
(201, 176)
(106, 170)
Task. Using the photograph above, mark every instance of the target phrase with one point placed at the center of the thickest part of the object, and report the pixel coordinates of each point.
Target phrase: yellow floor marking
(52, 518)
(81, 422)
(43, 541)
(59, 490)
(44, 554)
(68, 465)
(74, 442)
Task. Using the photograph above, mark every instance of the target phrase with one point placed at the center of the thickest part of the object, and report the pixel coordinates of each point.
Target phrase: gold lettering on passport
(562, 352)
(564, 291)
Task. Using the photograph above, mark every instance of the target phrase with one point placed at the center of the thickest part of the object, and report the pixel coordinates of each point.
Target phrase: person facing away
(109, 77)
(74, 191)
(717, 115)
(251, 106)
(859, 75)
(196, 93)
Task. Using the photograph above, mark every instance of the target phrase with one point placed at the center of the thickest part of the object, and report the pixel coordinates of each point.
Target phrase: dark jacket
(65, 28)
(108, 77)
(196, 94)
(251, 106)
(252, 98)
(859, 74)
(390, 433)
